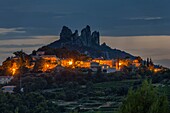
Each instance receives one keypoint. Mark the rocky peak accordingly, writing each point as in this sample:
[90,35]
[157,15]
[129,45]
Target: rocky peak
[104,45]
[95,38]
[86,38]
[66,34]
[75,35]
[86,31]
[86,35]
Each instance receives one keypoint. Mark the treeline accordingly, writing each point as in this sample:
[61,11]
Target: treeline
[33,102]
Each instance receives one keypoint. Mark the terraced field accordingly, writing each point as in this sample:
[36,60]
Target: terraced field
[105,97]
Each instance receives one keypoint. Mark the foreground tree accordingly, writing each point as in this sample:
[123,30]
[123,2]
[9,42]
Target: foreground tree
[145,100]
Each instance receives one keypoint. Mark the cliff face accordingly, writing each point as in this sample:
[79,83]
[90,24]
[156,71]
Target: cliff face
[86,38]
[66,34]
[86,42]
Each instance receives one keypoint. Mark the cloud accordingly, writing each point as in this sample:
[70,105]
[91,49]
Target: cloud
[25,36]
[20,46]
[146,18]
[4,31]
[45,37]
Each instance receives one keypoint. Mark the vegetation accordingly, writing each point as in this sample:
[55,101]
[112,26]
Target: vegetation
[29,103]
[145,99]
[68,92]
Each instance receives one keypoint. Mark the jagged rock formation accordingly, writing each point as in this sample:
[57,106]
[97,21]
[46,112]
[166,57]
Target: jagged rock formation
[95,38]
[66,34]
[87,41]
[86,38]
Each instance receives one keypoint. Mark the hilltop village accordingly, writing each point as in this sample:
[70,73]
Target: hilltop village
[78,53]
[46,63]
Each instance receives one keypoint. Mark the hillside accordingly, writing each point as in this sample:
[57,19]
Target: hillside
[87,42]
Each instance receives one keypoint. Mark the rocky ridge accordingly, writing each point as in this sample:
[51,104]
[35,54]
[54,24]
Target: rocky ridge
[85,39]
[87,42]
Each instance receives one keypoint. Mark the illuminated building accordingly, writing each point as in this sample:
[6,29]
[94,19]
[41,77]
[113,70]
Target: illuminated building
[67,63]
[136,63]
[51,61]
[94,66]
[157,68]
[107,69]
[104,62]
[120,63]
[50,58]
[48,62]
[70,63]
[14,68]
[82,64]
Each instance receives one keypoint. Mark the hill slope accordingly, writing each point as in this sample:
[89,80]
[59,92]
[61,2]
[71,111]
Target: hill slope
[88,43]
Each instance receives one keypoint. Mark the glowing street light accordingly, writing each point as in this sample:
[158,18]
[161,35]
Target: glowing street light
[13,71]
[47,66]
[70,62]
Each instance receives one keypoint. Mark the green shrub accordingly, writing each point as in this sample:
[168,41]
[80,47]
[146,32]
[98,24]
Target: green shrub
[145,100]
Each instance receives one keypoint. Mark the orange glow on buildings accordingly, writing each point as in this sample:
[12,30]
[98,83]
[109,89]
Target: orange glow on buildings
[120,63]
[82,64]
[13,71]
[14,68]
[157,70]
[50,58]
[51,61]
[48,66]
[104,62]
[136,63]
[70,62]
[67,63]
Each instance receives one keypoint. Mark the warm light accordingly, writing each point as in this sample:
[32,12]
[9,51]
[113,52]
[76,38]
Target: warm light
[70,62]
[14,68]
[120,64]
[47,65]
[155,70]
[13,71]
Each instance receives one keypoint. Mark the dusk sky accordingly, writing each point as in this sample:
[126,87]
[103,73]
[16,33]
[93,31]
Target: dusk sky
[22,20]
[110,17]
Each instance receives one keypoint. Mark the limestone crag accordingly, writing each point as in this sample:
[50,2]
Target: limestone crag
[87,43]
[95,38]
[86,38]
[66,34]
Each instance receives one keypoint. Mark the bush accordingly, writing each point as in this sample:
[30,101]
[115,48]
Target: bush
[145,100]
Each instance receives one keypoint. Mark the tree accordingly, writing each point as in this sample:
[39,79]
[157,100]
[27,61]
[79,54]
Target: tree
[145,99]
[39,65]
